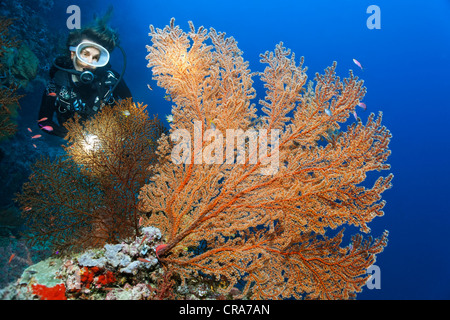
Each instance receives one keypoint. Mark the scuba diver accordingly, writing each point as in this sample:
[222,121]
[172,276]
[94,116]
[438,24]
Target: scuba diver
[82,81]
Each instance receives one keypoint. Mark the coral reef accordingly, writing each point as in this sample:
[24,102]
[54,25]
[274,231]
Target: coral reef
[125,271]
[9,100]
[19,155]
[265,218]
[89,197]
[8,112]
[19,66]
[127,217]
[15,257]
[27,48]
[30,27]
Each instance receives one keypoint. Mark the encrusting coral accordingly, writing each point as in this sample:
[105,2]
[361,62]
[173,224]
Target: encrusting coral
[263,218]
[128,270]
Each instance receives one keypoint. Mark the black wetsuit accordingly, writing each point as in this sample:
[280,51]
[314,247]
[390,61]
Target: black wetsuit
[63,97]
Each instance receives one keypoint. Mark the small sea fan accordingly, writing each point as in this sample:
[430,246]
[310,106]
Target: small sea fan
[89,197]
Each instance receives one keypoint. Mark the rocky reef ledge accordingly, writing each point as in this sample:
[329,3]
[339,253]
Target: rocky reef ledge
[126,271]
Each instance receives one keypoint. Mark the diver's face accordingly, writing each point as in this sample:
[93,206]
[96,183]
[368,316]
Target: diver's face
[89,55]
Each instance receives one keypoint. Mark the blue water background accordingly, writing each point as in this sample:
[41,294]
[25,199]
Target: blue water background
[406,72]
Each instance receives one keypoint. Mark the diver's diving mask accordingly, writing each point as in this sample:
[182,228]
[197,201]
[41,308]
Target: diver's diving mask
[102,60]
[87,76]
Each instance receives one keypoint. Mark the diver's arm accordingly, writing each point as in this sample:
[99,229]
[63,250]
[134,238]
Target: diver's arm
[47,110]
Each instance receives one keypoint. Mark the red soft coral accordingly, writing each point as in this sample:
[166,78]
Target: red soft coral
[105,279]
[86,276]
[57,292]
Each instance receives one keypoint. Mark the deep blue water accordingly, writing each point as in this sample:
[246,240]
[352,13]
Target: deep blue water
[406,72]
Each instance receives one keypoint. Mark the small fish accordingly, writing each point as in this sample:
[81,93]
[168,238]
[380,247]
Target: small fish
[30,130]
[143,260]
[43,119]
[143,239]
[12,257]
[159,248]
[27,209]
[34,145]
[167,97]
[47,128]
[126,113]
[141,221]
[362,105]
[52,94]
[328,112]
[149,87]
[169,118]
[358,63]
[355,115]
[36,136]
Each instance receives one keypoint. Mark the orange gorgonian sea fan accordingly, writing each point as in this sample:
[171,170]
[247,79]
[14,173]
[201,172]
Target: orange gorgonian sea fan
[262,212]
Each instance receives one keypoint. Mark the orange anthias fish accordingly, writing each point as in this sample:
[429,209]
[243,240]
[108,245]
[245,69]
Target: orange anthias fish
[30,130]
[43,119]
[159,248]
[12,257]
[48,128]
[143,239]
[358,63]
[36,136]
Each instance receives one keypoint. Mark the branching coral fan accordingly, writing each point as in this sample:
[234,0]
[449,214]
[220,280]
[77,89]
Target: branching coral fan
[263,221]
[89,198]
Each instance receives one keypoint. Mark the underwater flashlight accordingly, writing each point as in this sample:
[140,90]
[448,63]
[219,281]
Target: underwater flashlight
[91,143]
